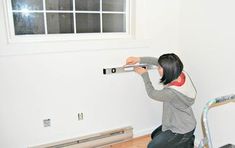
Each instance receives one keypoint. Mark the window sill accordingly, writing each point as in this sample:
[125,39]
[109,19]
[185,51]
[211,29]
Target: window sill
[67,37]
[66,46]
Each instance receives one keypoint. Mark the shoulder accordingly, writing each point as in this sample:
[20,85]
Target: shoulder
[188,89]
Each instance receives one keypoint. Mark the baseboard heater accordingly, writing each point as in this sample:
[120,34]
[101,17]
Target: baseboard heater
[101,139]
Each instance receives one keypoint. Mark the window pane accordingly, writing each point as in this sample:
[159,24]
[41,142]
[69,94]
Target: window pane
[88,23]
[59,4]
[114,5]
[30,23]
[27,4]
[114,23]
[88,5]
[60,23]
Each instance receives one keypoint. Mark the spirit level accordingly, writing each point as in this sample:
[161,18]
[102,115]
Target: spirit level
[126,68]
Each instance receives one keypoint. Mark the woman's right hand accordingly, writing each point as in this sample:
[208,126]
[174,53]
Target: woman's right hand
[132,60]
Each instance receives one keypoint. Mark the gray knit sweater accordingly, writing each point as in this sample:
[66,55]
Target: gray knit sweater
[177,113]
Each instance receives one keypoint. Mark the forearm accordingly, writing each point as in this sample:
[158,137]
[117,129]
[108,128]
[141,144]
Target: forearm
[148,84]
[149,60]
[159,95]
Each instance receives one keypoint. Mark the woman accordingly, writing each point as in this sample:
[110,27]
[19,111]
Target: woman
[177,95]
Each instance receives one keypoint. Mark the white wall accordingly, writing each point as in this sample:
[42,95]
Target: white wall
[38,83]
[207,36]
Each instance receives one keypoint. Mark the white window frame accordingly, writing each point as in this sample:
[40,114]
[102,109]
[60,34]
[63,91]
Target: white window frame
[12,38]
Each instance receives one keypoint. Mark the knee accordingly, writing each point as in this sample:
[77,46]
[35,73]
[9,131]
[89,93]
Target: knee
[150,145]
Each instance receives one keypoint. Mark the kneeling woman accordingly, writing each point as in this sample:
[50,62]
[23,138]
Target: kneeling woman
[178,95]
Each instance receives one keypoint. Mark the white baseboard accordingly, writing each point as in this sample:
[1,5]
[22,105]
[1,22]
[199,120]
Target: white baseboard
[143,132]
[100,139]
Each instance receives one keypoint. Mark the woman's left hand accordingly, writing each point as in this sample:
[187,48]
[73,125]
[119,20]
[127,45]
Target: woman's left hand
[140,70]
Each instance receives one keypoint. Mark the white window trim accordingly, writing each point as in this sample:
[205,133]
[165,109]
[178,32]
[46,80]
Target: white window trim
[12,38]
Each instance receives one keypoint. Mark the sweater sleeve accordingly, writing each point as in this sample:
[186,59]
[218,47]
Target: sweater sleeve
[164,95]
[149,60]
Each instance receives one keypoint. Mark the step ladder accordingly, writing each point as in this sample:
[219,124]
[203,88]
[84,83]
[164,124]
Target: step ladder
[206,141]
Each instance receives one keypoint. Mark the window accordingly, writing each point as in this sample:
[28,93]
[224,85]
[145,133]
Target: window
[68,17]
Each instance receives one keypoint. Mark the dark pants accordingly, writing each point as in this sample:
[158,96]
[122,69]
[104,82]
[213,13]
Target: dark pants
[168,139]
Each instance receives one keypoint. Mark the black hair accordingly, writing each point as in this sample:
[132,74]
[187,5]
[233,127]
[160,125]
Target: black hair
[172,67]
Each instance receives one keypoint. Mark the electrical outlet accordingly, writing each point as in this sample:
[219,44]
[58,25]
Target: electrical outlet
[80,116]
[47,122]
